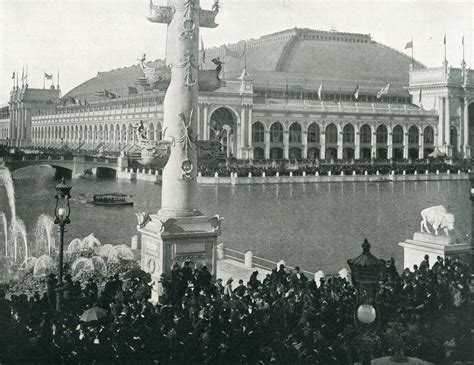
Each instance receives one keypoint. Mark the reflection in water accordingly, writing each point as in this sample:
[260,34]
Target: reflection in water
[316,226]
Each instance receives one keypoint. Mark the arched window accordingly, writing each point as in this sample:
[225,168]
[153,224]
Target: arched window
[295,133]
[151,131]
[258,132]
[397,137]
[365,134]
[276,153]
[348,134]
[428,135]
[413,135]
[313,133]
[331,133]
[382,135]
[276,132]
[258,153]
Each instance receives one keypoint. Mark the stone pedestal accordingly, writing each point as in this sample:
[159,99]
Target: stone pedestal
[427,244]
[166,241]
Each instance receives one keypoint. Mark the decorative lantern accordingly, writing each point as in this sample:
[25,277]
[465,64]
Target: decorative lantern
[366,314]
[366,272]
[62,209]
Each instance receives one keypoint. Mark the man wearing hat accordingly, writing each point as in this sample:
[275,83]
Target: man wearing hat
[228,292]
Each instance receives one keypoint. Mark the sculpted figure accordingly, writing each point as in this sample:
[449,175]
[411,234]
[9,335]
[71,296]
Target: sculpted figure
[437,217]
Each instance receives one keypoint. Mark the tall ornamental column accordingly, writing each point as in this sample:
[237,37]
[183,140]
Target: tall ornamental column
[180,233]
[180,110]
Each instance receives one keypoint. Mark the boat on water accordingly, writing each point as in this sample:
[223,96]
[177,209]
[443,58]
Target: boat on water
[110,199]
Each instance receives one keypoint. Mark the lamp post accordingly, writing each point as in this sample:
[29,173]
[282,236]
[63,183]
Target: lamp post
[61,218]
[366,272]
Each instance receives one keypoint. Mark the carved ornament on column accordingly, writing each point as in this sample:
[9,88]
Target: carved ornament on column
[187,140]
[189,64]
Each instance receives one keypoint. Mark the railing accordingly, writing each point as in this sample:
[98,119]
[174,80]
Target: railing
[259,262]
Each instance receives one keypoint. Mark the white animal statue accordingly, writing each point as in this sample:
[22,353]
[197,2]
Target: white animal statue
[437,217]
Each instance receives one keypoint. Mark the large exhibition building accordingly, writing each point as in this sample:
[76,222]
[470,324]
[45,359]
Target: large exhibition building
[295,94]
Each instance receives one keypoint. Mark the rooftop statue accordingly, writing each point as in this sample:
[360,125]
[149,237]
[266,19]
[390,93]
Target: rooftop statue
[151,74]
[437,217]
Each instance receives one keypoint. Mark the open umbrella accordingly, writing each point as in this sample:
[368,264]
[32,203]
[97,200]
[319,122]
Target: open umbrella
[136,273]
[393,360]
[93,314]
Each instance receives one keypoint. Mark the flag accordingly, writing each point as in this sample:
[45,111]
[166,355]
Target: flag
[203,52]
[13,76]
[320,91]
[409,45]
[383,91]
[99,94]
[462,41]
[48,77]
[233,54]
[287,94]
[444,40]
[420,97]
[356,92]
[132,90]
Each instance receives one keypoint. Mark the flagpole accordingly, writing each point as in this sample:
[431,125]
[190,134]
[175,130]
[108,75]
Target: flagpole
[245,55]
[43,80]
[445,60]
[412,59]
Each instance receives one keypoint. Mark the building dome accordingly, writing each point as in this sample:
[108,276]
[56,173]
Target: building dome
[303,59]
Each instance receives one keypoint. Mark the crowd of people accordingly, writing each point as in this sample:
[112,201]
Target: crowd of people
[282,318]
[271,168]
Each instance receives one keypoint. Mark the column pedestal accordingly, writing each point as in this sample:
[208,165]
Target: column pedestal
[166,241]
[427,244]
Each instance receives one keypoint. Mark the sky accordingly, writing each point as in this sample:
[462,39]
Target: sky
[81,37]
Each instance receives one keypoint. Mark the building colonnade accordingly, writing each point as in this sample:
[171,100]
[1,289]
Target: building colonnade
[110,133]
[336,140]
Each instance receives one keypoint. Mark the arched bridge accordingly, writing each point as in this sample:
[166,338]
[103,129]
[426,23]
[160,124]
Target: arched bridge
[77,165]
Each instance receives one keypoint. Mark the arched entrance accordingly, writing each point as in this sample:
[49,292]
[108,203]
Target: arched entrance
[222,127]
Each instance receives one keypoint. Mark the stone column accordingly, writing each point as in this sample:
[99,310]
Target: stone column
[373,144]
[205,122]
[356,143]
[250,127]
[286,144]
[421,147]
[180,232]
[322,151]
[340,143]
[441,115]
[465,121]
[390,144]
[243,130]
[199,122]
[180,110]
[405,144]
[305,144]
[447,124]
[267,144]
